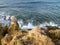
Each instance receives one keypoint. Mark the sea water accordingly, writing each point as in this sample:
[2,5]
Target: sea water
[30,13]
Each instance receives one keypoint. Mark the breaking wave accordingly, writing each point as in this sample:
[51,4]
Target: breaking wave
[5,20]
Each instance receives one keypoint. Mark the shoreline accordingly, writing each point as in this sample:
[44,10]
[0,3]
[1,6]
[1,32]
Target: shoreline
[14,35]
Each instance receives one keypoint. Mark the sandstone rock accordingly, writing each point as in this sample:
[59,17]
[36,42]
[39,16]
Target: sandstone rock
[6,39]
[36,30]
[3,31]
[40,38]
[55,33]
[36,38]
[14,25]
[0,39]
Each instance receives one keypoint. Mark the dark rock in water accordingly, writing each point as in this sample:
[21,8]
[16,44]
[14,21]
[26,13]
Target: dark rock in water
[51,27]
[29,29]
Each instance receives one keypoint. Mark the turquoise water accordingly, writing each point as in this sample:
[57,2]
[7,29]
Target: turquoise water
[35,12]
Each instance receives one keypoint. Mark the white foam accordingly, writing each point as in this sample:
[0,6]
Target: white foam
[4,19]
[7,17]
[28,26]
[21,23]
[48,24]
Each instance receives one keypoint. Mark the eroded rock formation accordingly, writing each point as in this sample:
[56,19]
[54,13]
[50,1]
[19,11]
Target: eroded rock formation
[13,35]
[33,37]
[14,25]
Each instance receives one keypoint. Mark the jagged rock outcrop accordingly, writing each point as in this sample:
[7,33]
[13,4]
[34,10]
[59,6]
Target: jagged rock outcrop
[55,33]
[40,36]
[55,36]
[32,37]
[51,27]
[14,25]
